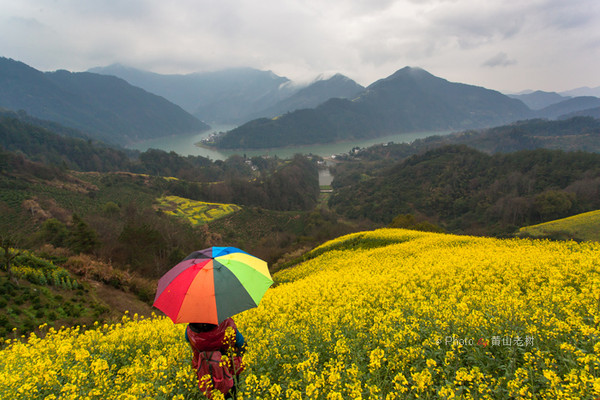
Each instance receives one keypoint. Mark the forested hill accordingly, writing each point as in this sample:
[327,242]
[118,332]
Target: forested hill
[271,183]
[282,184]
[46,146]
[576,133]
[408,101]
[338,86]
[465,190]
[105,107]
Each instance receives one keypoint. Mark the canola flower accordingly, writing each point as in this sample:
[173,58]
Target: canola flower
[388,314]
[136,359]
[583,226]
[431,316]
[196,212]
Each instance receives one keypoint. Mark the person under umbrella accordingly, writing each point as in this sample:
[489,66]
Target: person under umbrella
[209,344]
[205,290]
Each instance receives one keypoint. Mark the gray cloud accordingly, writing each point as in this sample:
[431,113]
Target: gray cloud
[499,60]
[555,41]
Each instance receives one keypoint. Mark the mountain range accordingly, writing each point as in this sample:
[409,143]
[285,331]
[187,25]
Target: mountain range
[235,95]
[104,107]
[410,100]
[121,105]
[539,99]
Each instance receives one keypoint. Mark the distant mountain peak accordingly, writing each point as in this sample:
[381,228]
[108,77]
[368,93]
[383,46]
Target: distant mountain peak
[410,100]
[406,73]
[539,99]
[582,91]
[411,70]
[340,77]
[111,68]
[328,77]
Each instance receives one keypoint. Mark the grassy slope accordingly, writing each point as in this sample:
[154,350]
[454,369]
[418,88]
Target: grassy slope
[41,292]
[384,314]
[579,227]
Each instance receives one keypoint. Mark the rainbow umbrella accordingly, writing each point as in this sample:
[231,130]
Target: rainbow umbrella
[212,285]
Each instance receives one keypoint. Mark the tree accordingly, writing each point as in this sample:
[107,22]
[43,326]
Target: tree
[143,246]
[82,238]
[553,203]
[54,232]
[408,221]
[9,254]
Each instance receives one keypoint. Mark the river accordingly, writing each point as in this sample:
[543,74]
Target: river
[185,145]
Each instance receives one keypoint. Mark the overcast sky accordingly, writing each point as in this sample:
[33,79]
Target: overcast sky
[507,45]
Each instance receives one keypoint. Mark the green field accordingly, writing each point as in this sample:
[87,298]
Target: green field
[579,227]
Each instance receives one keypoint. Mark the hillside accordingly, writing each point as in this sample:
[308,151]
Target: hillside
[580,227]
[129,220]
[227,96]
[54,144]
[539,99]
[104,107]
[382,314]
[410,100]
[338,86]
[573,134]
[570,106]
[590,112]
[41,290]
[582,91]
[464,190]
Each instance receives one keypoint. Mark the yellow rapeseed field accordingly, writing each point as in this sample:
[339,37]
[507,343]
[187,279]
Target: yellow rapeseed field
[195,212]
[585,226]
[388,314]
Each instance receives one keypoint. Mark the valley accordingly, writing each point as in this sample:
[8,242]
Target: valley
[454,258]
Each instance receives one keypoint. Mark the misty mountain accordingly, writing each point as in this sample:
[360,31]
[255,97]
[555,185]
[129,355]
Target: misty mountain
[590,112]
[568,107]
[573,134]
[50,126]
[228,96]
[582,91]
[539,99]
[410,100]
[338,86]
[104,107]
[48,143]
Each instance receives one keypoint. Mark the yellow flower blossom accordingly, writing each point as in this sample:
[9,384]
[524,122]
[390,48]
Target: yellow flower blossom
[387,314]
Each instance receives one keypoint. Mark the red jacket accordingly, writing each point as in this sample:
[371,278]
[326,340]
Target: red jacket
[211,341]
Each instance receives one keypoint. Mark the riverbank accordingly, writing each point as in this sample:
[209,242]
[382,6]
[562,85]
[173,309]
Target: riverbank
[188,145]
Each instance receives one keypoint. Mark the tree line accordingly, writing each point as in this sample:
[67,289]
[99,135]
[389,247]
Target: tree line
[465,190]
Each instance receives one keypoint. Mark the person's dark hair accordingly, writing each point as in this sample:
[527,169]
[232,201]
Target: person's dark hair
[202,327]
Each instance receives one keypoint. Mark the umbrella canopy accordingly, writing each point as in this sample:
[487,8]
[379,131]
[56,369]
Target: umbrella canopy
[212,285]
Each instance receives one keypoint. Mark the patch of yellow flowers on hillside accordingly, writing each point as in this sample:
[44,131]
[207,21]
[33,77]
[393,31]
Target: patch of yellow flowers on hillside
[195,212]
[395,315]
[584,226]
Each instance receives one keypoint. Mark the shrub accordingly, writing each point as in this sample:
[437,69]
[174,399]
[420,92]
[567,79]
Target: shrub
[143,289]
